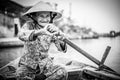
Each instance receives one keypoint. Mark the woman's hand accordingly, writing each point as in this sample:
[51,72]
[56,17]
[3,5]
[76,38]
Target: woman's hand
[51,28]
[43,31]
[56,33]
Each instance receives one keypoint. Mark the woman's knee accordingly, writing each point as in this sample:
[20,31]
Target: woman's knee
[62,72]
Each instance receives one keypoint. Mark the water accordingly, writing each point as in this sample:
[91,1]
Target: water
[95,47]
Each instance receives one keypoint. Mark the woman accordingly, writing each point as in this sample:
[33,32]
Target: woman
[38,37]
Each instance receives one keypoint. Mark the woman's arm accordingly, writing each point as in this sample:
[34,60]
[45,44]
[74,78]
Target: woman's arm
[25,33]
[57,37]
[28,33]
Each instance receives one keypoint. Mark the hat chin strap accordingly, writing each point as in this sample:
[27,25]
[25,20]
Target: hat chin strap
[35,21]
[52,16]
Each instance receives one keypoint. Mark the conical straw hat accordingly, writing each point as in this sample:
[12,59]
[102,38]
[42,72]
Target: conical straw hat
[43,7]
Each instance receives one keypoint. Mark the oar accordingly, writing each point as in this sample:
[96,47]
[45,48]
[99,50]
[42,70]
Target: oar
[89,56]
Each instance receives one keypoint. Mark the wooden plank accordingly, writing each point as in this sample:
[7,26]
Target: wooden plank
[102,74]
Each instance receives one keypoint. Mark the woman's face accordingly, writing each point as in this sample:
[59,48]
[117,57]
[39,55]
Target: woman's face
[43,18]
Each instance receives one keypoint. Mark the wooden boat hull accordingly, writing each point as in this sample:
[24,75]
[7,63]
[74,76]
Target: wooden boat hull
[76,71]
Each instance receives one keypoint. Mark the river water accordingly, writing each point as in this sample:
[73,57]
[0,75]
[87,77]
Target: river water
[95,47]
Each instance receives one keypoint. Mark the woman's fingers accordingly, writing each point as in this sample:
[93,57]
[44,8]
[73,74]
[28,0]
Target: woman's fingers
[51,28]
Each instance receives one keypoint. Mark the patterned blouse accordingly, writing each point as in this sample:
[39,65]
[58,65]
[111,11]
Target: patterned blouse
[36,48]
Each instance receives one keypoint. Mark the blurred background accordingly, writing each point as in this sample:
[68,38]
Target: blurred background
[90,24]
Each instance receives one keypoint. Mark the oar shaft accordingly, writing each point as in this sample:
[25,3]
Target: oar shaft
[82,51]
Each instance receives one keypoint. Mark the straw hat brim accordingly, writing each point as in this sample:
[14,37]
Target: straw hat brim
[43,7]
[58,16]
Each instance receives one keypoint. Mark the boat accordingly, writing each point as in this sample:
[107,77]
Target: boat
[76,70]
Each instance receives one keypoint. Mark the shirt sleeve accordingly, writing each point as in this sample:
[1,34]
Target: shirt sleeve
[25,33]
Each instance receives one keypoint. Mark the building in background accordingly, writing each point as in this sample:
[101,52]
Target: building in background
[9,18]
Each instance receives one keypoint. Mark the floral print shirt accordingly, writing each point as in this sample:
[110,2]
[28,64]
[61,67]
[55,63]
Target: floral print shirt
[36,48]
